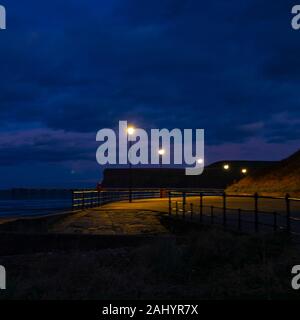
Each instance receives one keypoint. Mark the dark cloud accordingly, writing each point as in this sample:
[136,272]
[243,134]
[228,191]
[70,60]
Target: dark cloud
[80,66]
[43,145]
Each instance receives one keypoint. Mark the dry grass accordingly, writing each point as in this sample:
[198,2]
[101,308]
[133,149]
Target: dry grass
[278,180]
[209,265]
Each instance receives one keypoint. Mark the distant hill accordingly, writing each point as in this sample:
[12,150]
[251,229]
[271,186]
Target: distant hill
[214,176]
[283,177]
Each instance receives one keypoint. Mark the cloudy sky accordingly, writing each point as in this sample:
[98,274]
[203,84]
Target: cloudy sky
[70,68]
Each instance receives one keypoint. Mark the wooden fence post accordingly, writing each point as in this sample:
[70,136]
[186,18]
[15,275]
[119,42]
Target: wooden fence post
[224,210]
[192,210]
[212,214]
[288,213]
[256,211]
[176,209]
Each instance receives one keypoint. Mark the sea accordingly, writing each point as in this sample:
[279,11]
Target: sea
[17,203]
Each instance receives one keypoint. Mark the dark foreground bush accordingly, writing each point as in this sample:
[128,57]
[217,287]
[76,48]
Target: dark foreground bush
[211,264]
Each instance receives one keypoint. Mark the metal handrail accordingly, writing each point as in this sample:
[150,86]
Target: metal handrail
[257,213]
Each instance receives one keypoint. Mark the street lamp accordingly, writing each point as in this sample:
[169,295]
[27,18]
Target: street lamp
[161,152]
[130,132]
[200,161]
[244,171]
[226,167]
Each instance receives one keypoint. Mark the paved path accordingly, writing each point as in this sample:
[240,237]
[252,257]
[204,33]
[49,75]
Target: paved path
[143,216]
[113,220]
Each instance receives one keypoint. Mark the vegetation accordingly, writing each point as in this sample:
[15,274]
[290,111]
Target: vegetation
[282,178]
[210,264]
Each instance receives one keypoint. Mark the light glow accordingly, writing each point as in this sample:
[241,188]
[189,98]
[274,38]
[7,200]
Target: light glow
[226,167]
[161,152]
[130,130]
[200,161]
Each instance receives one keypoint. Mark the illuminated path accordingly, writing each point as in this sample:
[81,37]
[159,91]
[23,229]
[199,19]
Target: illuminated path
[143,216]
[138,218]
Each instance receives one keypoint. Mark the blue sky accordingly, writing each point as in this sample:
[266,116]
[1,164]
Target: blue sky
[70,68]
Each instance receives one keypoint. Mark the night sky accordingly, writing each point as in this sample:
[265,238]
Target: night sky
[70,68]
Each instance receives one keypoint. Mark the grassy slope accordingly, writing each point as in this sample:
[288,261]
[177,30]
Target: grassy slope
[281,178]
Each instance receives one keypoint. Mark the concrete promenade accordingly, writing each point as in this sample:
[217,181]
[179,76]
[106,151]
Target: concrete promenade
[143,216]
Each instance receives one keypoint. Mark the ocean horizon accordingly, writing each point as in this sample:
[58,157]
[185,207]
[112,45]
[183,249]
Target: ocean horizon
[34,205]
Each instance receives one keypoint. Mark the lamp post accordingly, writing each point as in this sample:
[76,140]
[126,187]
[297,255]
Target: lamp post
[130,132]
[161,152]
[226,167]
[200,161]
[244,171]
